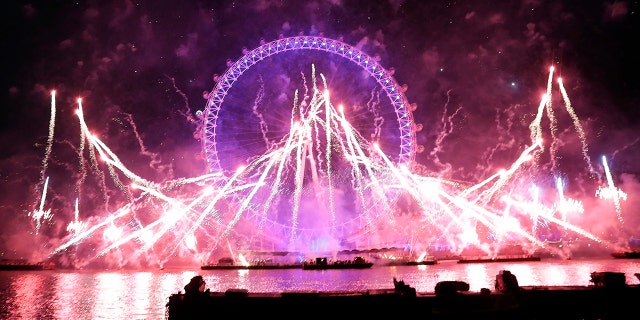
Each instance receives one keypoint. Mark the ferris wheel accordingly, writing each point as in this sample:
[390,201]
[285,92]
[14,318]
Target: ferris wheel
[305,114]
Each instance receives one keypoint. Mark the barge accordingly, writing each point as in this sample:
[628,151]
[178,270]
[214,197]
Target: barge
[321,263]
[626,254]
[499,258]
[228,263]
[250,266]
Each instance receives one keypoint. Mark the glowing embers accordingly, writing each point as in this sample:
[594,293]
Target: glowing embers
[328,169]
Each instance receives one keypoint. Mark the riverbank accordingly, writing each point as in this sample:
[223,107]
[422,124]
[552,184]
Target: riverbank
[608,297]
[144,293]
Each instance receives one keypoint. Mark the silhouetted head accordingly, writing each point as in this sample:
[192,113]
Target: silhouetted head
[197,283]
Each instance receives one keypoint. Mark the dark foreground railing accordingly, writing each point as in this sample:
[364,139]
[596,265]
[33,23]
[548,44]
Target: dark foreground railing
[608,298]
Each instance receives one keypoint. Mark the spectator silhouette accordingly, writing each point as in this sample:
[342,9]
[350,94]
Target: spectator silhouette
[195,298]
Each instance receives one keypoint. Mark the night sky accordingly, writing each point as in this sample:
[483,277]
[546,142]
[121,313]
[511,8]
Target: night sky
[142,67]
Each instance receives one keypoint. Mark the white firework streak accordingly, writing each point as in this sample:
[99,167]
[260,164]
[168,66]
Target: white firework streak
[52,125]
[612,187]
[553,123]
[576,123]
[436,199]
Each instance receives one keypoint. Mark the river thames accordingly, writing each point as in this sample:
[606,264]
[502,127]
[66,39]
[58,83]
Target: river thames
[143,294]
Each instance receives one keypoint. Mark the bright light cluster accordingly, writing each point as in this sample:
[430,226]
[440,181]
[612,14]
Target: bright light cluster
[341,191]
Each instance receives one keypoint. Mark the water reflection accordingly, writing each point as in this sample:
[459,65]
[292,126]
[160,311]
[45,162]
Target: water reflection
[525,274]
[476,271]
[111,295]
[26,291]
[70,298]
[143,295]
[141,292]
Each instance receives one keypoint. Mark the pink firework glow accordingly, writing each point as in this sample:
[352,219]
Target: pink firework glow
[328,180]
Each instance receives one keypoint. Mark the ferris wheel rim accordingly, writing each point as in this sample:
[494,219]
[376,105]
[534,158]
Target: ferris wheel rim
[225,82]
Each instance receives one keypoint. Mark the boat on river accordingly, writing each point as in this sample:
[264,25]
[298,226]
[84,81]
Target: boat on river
[321,263]
[499,258]
[266,266]
[229,264]
[626,254]
[421,262]
[405,262]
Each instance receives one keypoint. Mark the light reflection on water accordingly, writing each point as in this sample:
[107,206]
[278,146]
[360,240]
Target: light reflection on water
[69,294]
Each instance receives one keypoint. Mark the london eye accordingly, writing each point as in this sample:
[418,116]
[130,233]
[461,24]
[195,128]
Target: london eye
[303,133]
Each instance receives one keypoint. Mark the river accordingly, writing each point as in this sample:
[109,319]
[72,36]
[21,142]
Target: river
[143,294]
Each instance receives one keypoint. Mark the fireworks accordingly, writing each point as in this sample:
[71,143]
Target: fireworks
[612,192]
[322,187]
